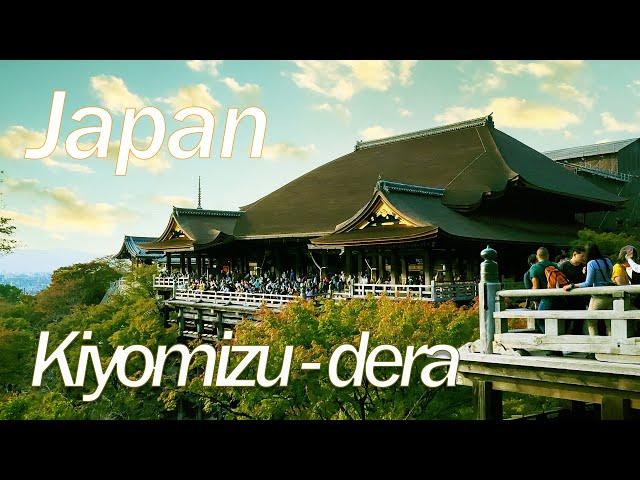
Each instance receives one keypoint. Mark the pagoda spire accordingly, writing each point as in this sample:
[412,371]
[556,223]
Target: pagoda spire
[199,195]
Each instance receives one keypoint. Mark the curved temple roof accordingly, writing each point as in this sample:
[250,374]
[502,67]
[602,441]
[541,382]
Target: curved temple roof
[425,216]
[131,248]
[467,160]
[194,229]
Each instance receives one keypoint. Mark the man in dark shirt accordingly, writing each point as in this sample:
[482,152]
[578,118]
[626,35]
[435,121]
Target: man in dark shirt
[539,281]
[527,278]
[574,270]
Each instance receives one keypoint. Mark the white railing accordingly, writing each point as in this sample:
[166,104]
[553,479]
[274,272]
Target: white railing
[170,282]
[437,292]
[243,299]
[619,343]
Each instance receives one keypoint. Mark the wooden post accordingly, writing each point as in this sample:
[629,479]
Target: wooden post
[426,267]
[324,258]
[180,322]
[298,263]
[360,263]
[620,329]
[404,270]
[615,408]
[198,265]
[219,326]
[182,263]
[189,269]
[199,323]
[168,263]
[487,289]
[394,267]
[488,402]
[347,261]
[381,270]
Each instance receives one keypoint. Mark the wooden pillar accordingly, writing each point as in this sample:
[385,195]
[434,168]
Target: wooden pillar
[448,269]
[324,262]
[615,408]
[381,271]
[404,270]
[488,402]
[182,265]
[347,261]
[426,266]
[298,263]
[219,326]
[394,267]
[168,263]
[360,263]
[211,264]
[189,269]
[198,265]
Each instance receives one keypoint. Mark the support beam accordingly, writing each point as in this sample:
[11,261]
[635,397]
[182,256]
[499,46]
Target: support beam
[169,263]
[360,263]
[488,402]
[298,263]
[182,263]
[189,267]
[198,265]
[381,271]
[614,408]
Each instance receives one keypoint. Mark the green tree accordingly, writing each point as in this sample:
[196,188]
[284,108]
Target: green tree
[7,229]
[9,293]
[315,334]
[610,243]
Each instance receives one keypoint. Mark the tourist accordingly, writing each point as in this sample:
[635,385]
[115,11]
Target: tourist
[539,281]
[527,277]
[574,270]
[599,272]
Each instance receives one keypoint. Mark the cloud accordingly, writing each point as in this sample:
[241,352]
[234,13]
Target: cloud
[114,94]
[405,113]
[338,108]
[611,124]
[566,91]
[174,201]
[210,66]
[156,164]
[568,135]
[604,140]
[69,167]
[635,87]
[483,83]
[343,79]
[192,96]
[548,68]
[515,113]
[405,71]
[375,132]
[17,138]
[277,151]
[62,210]
[246,90]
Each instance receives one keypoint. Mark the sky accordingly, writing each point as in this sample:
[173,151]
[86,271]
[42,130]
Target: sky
[316,111]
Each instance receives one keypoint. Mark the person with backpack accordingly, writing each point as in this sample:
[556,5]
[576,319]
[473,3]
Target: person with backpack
[599,271]
[545,274]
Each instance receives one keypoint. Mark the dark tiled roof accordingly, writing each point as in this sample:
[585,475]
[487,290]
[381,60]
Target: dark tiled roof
[431,217]
[466,161]
[131,248]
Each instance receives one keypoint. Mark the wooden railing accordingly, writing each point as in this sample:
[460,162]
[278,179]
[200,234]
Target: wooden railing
[436,292]
[614,347]
[243,299]
[170,282]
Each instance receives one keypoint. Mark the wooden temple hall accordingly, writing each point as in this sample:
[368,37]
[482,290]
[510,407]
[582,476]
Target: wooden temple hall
[406,209]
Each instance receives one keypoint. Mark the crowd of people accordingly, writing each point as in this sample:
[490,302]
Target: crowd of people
[582,267]
[287,283]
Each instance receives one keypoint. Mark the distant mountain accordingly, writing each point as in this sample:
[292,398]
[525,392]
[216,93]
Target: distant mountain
[46,261]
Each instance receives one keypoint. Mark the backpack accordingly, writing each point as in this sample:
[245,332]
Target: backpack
[555,277]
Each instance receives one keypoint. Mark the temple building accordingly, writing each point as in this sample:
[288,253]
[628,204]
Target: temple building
[408,208]
[132,250]
[613,166]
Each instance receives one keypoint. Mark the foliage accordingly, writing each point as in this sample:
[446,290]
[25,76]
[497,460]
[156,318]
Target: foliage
[7,230]
[315,335]
[610,243]
[9,293]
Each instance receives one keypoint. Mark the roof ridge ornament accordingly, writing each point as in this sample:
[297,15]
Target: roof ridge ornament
[475,122]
